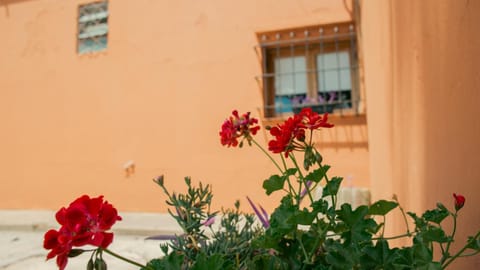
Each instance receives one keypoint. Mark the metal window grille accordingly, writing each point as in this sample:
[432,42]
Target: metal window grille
[315,66]
[92,27]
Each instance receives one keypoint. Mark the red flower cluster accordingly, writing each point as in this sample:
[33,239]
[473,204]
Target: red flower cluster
[285,134]
[313,120]
[459,201]
[238,126]
[84,222]
[294,128]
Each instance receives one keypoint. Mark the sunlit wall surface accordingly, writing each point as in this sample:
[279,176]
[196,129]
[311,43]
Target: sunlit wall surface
[150,102]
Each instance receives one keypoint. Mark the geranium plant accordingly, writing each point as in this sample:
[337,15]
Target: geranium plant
[303,232]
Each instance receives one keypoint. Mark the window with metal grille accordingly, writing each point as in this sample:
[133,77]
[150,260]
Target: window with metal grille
[92,27]
[315,66]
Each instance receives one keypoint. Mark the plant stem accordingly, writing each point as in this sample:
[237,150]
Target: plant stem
[384,224]
[304,251]
[470,254]
[291,190]
[334,201]
[459,253]
[393,237]
[268,155]
[403,214]
[284,162]
[441,244]
[302,180]
[322,235]
[125,259]
[445,254]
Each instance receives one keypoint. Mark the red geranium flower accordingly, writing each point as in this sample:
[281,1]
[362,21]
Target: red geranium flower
[285,134]
[294,129]
[60,243]
[84,222]
[459,201]
[313,120]
[236,127]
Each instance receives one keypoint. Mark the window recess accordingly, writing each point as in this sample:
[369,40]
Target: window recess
[314,66]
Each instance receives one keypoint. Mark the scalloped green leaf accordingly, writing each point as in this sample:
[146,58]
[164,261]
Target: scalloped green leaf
[331,188]
[274,183]
[318,174]
[436,215]
[382,207]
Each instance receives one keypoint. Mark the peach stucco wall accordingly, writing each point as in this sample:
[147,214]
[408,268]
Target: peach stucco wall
[422,85]
[173,71]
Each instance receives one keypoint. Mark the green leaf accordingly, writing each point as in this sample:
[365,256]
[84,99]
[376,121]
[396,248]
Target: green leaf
[382,207]
[404,259]
[290,172]
[422,254]
[473,243]
[281,218]
[352,217]
[442,207]
[331,188]
[266,261]
[317,174]
[420,223]
[320,206]
[430,266]
[340,257]
[304,217]
[214,262]
[436,215]
[172,261]
[434,234]
[359,228]
[274,183]
[379,257]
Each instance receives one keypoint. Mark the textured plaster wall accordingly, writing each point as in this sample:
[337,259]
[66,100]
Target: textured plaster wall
[423,100]
[173,71]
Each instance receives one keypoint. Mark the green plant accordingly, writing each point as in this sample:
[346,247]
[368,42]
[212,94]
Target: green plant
[303,232]
[201,246]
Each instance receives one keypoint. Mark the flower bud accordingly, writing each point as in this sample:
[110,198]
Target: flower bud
[100,264]
[209,221]
[159,180]
[75,252]
[90,265]
[459,201]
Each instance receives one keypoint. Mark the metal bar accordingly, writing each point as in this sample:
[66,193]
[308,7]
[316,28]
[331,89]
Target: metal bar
[341,36]
[339,79]
[355,91]
[265,82]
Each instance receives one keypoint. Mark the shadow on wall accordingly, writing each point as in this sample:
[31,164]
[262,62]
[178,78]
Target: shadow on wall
[350,132]
[6,3]
[9,2]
